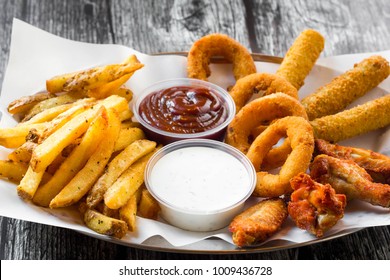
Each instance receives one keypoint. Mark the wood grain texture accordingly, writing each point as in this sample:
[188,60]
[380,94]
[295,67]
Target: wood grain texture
[159,26]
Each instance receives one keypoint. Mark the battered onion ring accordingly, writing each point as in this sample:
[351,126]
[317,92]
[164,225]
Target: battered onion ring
[259,112]
[265,83]
[300,133]
[218,45]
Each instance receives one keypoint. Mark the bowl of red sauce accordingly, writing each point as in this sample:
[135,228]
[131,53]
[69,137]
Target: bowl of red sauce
[184,108]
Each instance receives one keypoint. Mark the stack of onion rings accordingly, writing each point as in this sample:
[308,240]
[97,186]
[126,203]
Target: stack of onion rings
[218,45]
[300,133]
[265,83]
[260,112]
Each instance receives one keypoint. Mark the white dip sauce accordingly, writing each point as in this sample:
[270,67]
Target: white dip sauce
[200,179]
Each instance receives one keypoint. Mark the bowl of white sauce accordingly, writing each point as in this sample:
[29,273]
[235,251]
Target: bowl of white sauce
[200,184]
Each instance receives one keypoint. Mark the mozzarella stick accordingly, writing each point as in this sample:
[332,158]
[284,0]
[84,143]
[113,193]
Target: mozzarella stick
[301,57]
[344,89]
[372,115]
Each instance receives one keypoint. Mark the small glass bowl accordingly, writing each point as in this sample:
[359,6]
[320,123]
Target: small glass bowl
[165,137]
[200,184]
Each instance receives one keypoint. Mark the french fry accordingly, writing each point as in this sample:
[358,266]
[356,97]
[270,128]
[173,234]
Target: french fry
[128,212]
[128,136]
[48,150]
[148,206]
[47,115]
[110,88]
[25,103]
[13,137]
[29,184]
[91,78]
[63,118]
[105,225]
[23,153]
[125,93]
[14,171]
[126,115]
[75,161]
[127,184]
[52,102]
[116,167]
[86,177]
[130,123]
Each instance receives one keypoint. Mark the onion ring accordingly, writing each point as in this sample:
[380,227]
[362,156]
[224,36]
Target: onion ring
[218,45]
[300,134]
[259,112]
[260,82]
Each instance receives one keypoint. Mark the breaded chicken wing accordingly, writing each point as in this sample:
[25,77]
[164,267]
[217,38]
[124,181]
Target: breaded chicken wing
[377,165]
[258,222]
[347,177]
[314,206]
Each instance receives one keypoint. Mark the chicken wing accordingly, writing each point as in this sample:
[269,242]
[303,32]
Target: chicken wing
[377,165]
[347,177]
[314,206]
[258,222]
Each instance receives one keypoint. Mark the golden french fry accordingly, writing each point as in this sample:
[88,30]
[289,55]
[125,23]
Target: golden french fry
[86,177]
[128,136]
[125,93]
[110,88]
[23,153]
[75,161]
[127,184]
[13,171]
[25,103]
[13,137]
[12,142]
[130,123]
[104,225]
[47,151]
[47,115]
[128,212]
[79,107]
[148,206]
[52,102]
[116,167]
[126,115]
[91,78]
[29,184]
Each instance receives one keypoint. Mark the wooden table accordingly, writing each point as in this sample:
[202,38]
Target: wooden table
[264,26]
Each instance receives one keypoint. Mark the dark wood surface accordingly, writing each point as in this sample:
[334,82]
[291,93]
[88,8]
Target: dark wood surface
[265,26]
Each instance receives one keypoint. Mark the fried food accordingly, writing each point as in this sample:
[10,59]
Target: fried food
[128,135]
[92,78]
[25,103]
[75,161]
[261,111]
[341,91]
[13,171]
[301,57]
[127,184]
[30,183]
[377,165]
[148,206]
[372,115]
[14,137]
[116,167]
[49,149]
[128,211]
[258,222]
[348,178]
[262,83]
[313,206]
[218,45]
[105,225]
[83,181]
[301,139]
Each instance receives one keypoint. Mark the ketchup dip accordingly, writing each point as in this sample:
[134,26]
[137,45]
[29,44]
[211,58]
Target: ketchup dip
[200,184]
[184,108]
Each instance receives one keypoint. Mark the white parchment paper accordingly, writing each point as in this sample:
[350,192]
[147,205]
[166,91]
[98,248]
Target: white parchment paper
[36,55]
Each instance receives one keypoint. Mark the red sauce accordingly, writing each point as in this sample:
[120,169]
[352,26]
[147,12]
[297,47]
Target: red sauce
[184,109]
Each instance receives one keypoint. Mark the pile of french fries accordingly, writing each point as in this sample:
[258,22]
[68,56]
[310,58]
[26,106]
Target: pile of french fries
[76,145]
